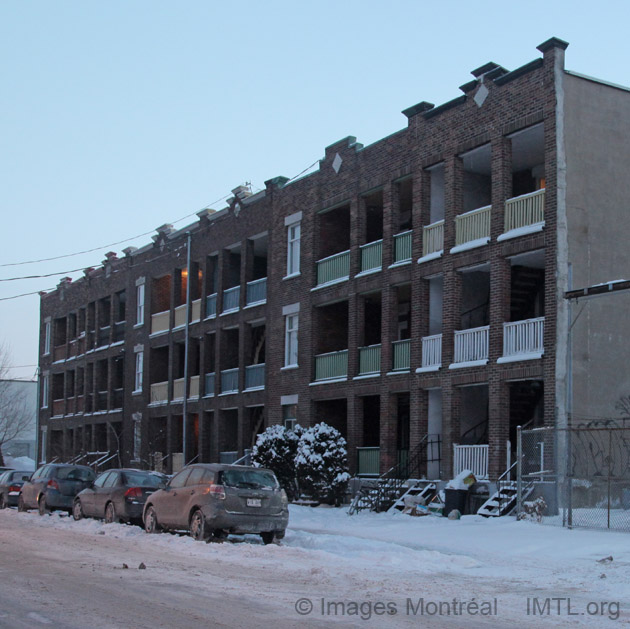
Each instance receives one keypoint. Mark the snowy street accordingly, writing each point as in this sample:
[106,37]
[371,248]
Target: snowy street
[370,569]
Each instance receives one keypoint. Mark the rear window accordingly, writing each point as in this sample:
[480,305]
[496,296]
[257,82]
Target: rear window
[250,479]
[4,477]
[143,479]
[75,473]
[17,476]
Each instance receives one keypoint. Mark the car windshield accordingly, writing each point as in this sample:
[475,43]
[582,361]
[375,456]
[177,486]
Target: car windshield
[144,479]
[75,473]
[252,479]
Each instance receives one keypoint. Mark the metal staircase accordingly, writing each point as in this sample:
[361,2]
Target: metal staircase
[504,499]
[421,491]
[381,493]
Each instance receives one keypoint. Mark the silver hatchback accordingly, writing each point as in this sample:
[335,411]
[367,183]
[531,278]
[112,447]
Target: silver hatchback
[213,500]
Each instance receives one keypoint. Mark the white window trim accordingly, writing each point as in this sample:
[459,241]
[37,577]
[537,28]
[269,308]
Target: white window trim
[140,298]
[44,391]
[138,372]
[47,328]
[293,244]
[291,332]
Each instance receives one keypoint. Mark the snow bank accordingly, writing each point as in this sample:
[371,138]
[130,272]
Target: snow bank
[20,463]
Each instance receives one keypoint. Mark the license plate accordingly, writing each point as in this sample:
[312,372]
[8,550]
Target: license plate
[254,502]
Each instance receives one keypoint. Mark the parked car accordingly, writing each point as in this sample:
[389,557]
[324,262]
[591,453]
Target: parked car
[213,500]
[11,483]
[54,486]
[118,495]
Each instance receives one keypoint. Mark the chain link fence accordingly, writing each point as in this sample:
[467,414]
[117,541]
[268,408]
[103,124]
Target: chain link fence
[576,477]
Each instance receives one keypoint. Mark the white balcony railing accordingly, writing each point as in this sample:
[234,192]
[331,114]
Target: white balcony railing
[433,238]
[257,291]
[194,387]
[523,338]
[179,389]
[525,210]
[231,298]
[195,310]
[473,225]
[432,351]
[473,458]
[159,392]
[180,316]
[160,322]
[472,345]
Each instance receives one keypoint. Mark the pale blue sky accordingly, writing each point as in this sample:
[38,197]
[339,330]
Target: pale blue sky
[118,117]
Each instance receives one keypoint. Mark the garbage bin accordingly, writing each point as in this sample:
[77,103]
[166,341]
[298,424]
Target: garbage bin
[454,499]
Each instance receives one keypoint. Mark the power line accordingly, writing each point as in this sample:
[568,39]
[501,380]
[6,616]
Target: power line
[36,277]
[35,292]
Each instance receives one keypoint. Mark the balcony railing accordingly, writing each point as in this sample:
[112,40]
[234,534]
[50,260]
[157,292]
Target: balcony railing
[331,365]
[525,210]
[369,359]
[402,355]
[160,322]
[179,389]
[473,458]
[159,392]
[229,380]
[209,388]
[180,316]
[472,345]
[432,351]
[473,225]
[59,407]
[255,376]
[211,305]
[372,256]
[195,310]
[194,387]
[333,268]
[522,338]
[60,352]
[402,247]
[433,238]
[231,298]
[368,461]
[257,291]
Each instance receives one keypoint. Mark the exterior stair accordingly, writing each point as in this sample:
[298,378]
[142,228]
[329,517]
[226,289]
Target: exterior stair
[420,490]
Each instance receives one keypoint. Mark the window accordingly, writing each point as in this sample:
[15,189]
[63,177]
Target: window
[291,341]
[140,304]
[293,249]
[44,391]
[179,480]
[137,439]
[289,416]
[47,338]
[139,364]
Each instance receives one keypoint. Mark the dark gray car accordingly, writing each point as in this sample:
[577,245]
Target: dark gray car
[214,500]
[11,483]
[54,486]
[118,495]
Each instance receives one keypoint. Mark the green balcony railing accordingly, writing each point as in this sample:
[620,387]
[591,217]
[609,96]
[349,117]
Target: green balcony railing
[369,360]
[209,388]
[333,268]
[372,256]
[368,461]
[211,305]
[331,365]
[402,247]
[402,355]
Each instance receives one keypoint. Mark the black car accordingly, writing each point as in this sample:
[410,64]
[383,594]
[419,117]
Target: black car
[11,482]
[118,495]
[54,486]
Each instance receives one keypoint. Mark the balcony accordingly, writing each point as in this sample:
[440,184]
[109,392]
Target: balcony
[160,322]
[195,310]
[231,299]
[432,240]
[159,393]
[179,389]
[117,398]
[180,316]
[209,384]
[402,247]
[523,340]
[331,366]
[257,292]
[194,387]
[372,256]
[59,407]
[431,352]
[60,352]
[472,229]
[368,461]
[471,347]
[334,268]
[101,401]
[524,214]
[473,458]
[401,355]
[255,377]
[370,360]
[119,331]
[211,306]
[229,380]
[103,336]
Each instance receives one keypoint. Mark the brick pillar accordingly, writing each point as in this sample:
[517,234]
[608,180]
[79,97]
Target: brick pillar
[247,268]
[357,234]
[390,211]
[244,344]
[388,297]
[355,332]
[354,430]
[388,427]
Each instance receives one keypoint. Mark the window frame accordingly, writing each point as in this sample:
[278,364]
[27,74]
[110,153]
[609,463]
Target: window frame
[140,297]
[291,339]
[294,248]
[138,372]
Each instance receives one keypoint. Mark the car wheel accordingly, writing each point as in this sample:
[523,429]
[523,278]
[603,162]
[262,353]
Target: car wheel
[198,529]
[3,502]
[110,513]
[42,506]
[267,537]
[77,510]
[280,534]
[21,505]
[150,521]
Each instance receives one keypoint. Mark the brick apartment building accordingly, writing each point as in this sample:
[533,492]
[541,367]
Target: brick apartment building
[408,288]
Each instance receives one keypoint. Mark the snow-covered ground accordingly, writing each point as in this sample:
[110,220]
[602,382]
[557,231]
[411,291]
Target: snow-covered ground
[387,570]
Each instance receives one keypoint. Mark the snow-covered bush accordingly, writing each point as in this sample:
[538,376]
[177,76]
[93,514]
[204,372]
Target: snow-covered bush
[276,449]
[322,464]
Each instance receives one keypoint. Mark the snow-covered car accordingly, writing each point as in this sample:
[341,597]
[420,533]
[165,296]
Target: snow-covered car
[118,495]
[54,486]
[11,483]
[213,500]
